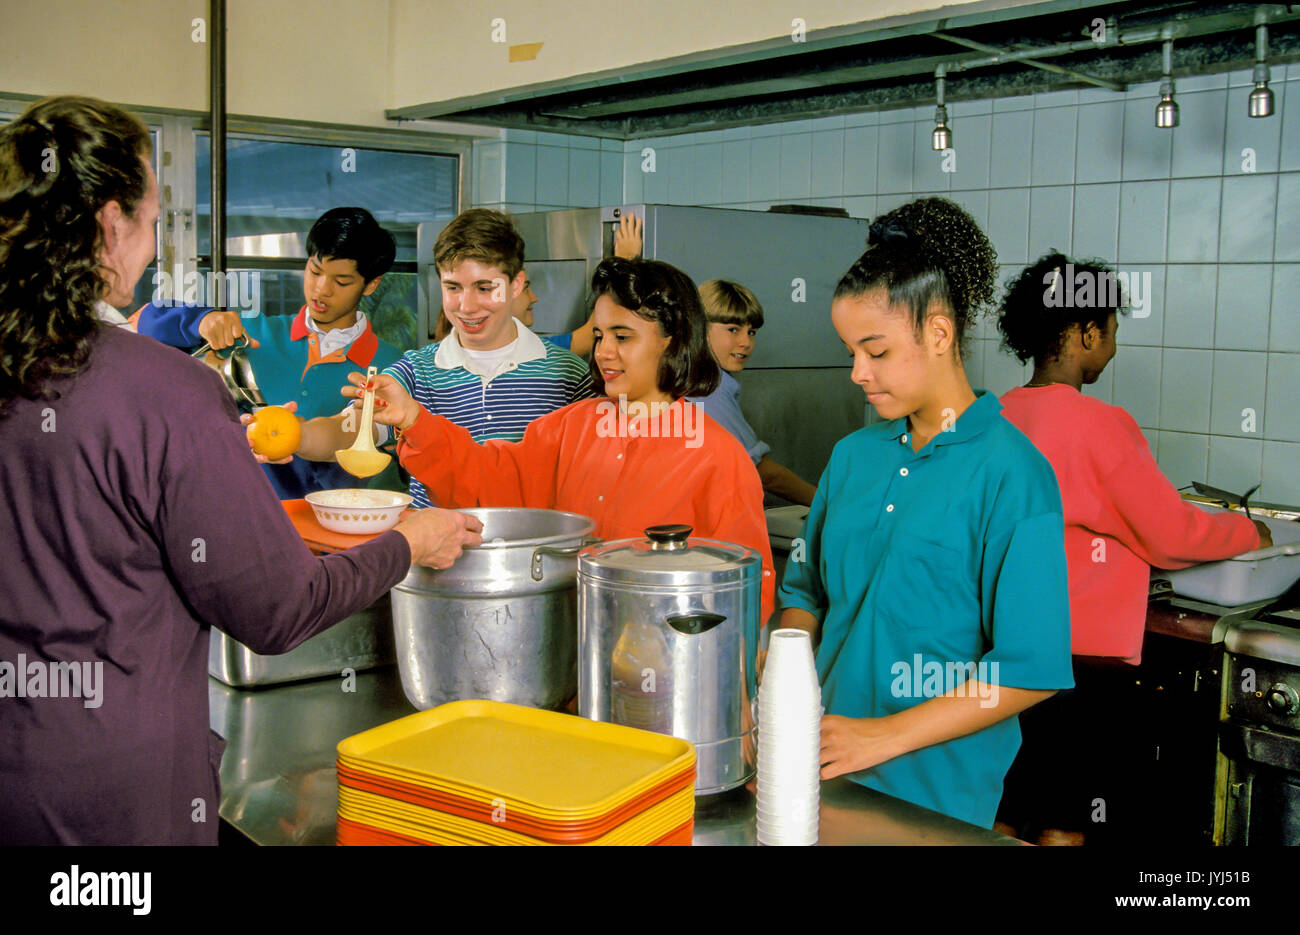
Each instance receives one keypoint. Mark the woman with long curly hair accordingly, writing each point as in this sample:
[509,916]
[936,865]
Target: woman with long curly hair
[55,198]
[935,570]
[134,516]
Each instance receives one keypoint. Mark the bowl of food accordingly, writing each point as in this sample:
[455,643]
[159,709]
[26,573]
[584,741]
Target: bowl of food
[358,511]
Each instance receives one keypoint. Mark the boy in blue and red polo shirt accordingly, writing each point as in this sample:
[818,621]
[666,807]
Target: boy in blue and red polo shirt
[490,375]
[306,357]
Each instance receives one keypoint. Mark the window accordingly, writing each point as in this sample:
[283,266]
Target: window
[276,190]
[276,187]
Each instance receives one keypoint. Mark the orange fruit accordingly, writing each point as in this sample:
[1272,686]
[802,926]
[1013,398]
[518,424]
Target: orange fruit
[274,432]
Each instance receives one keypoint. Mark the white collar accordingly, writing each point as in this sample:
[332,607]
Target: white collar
[109,315]
[450,355]
[351,332]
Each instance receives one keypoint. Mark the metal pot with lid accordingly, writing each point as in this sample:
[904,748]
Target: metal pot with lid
[668,631]
[501,623]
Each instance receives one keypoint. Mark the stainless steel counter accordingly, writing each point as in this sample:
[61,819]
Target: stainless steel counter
[279,785]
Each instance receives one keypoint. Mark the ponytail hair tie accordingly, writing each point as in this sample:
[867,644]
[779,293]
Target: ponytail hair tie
[888,230]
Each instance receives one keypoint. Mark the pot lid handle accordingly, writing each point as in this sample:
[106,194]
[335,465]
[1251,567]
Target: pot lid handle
[694,624]
[241,342]
[668,538]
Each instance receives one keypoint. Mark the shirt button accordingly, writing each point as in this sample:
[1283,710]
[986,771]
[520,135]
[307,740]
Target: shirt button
[890,508]
[902,471]
[488,417]
[601,497]
[620,454]
[903,440]
[304,392]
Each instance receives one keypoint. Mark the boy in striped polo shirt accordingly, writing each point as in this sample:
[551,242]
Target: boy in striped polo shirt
[490,375]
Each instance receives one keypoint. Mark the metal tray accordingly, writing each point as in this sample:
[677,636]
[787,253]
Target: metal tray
[1246,578]
[362,641]
[784,524]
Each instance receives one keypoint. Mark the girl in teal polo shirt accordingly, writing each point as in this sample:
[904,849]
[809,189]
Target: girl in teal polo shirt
[933,561]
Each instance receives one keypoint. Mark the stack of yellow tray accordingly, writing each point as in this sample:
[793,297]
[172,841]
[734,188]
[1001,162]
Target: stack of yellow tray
[482,772]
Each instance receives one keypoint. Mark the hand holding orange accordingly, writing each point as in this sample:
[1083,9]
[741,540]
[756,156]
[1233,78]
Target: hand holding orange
[274,432]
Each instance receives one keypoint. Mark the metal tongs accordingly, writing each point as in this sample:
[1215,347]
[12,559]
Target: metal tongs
[1226,498]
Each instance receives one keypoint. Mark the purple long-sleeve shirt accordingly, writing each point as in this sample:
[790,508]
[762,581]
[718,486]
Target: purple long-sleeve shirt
[134,519]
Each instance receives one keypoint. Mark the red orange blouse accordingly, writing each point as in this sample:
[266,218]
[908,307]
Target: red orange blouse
[677,467]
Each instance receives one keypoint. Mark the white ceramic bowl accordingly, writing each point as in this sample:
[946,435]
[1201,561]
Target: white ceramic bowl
[357,511]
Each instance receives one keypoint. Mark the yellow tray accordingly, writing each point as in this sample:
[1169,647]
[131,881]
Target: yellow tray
[674,810]
[491,800]
[545,763]
[644,830]
[419,822]
[558,822]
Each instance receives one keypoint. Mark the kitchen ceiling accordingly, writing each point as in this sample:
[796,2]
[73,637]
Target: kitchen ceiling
[1055,46]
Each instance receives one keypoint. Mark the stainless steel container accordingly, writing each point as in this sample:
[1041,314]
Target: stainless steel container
[362,641]
[668,628]
[501,623]
[236,372]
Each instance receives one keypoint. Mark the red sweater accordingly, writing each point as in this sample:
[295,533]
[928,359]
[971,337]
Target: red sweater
[1122,515]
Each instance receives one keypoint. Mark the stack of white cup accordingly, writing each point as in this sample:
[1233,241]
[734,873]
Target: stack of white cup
[789,742]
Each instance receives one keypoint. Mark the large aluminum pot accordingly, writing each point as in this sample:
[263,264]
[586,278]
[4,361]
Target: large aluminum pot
[362,641]
[668,630]
[501,623]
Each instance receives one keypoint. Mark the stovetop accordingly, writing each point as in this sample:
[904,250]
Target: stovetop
[1289,617]
[1262,667]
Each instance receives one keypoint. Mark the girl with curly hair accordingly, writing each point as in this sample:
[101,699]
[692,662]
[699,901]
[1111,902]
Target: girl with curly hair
[1122,516]
[935,572]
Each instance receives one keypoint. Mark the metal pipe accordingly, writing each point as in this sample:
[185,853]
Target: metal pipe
[1045,66]
[1002,58]
[1167,109]
[217,114]
[1260,103]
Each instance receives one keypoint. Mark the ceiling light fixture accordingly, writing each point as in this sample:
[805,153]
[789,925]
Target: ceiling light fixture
[942,138]
[1167,109]
[1261,99]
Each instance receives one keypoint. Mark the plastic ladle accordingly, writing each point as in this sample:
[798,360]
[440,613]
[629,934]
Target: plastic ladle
[363,459]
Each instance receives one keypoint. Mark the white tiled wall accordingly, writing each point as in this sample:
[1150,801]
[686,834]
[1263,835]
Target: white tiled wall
[533,171]
[1212,374]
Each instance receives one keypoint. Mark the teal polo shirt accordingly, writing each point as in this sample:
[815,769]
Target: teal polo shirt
[288,366]
[928,567]
[288,363]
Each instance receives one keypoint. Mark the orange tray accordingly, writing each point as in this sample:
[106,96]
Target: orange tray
[439,827]
[355,834]
[317,537]
[563,832]
[553,767]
